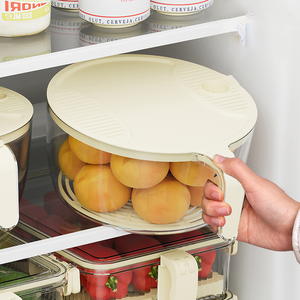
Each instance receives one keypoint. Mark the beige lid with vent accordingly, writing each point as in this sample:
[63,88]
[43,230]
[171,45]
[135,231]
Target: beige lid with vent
[151,107]
[15,114]
[156,108]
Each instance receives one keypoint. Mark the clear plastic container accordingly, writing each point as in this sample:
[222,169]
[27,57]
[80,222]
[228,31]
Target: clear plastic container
[36,278]
[21,18]
[193,264]
[146,267]
[16,113]
[124,156]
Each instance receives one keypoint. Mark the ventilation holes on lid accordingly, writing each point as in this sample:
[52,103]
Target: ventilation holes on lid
[89,115]
[2,96]
[14,104]
[213,88]
[233,100]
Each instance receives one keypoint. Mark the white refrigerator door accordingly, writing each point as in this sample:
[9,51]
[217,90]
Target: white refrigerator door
[274,66]
[267,64]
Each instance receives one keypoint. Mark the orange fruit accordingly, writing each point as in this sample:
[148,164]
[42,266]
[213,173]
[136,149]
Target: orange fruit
[138,173]
[87,153]
[97,189]
[192,173]
[69,163]
[163,203]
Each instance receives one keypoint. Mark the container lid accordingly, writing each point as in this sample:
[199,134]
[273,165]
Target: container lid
[151,107]
[15,113]
[136,250]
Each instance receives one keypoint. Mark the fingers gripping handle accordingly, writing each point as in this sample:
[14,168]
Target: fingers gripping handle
[233,195]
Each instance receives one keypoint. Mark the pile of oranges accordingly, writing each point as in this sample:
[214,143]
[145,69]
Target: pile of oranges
[161,192]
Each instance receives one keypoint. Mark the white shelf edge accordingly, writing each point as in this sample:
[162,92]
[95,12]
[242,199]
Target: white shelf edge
[58,243]
[146,41]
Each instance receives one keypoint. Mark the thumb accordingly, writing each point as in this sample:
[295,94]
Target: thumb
[236,168]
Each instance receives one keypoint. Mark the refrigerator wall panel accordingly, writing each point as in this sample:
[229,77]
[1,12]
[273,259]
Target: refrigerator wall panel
[266,64]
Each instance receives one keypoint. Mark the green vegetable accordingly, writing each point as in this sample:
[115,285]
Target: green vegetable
[7,274]
[199,261]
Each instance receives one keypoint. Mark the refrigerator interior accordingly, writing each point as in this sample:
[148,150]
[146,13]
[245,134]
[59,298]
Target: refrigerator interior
[266,64]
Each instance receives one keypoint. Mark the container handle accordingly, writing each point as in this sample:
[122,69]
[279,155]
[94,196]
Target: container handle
[73,278]
[233,194]
[9,188]
[177,276]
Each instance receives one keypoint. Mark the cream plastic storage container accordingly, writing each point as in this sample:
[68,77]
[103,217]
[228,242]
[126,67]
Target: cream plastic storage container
[146,267]
[139,267]
[20,18]
[139,135]
[16,113]
[36,278]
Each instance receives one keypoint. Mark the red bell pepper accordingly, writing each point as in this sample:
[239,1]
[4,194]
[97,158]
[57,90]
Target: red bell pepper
[103,286]
[205,261]
[58,224]
[144,277]
[98,292]
[32,211]
[55,206]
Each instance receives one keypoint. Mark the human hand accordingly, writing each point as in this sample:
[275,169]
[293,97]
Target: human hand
[268,213]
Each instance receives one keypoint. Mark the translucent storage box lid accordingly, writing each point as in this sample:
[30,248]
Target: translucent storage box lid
[148,109]
[40,277]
